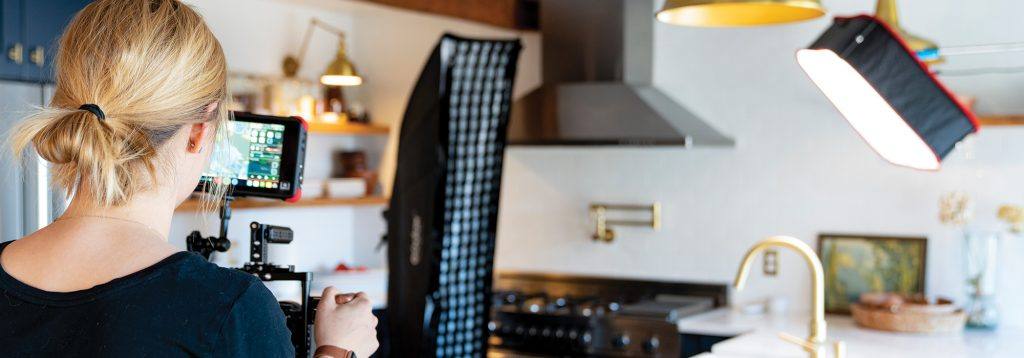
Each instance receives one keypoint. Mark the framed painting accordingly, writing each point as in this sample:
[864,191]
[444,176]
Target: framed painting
[856,264]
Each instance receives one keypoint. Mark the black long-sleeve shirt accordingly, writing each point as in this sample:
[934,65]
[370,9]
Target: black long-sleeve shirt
[180,306]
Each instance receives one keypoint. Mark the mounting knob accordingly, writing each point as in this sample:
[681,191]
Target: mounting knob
[586,339]
[620,341]
[195,242]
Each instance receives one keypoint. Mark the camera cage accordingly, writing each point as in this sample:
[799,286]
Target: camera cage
[299,315]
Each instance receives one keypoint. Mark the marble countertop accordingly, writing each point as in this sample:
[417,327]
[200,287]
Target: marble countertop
[757,336]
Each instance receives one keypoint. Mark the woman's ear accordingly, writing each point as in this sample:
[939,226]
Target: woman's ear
[199,132]
[197,137]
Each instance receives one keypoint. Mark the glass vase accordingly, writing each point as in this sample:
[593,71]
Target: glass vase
[981,249]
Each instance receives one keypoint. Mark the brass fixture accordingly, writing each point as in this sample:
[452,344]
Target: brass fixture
[815,342]
[37,56]
[16,53]
[734,13]
[925,49]
[341,71]
[603,231]
[1013,215]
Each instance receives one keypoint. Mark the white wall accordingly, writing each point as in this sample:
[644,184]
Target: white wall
[389,47]
[798,168]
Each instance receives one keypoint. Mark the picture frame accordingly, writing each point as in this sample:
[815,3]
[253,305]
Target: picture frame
[854,264]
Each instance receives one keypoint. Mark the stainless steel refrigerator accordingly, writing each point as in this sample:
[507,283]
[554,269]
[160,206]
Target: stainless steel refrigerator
[27,200]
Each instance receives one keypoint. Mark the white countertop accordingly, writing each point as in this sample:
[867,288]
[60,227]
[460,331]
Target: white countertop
[757,336]
[373,282]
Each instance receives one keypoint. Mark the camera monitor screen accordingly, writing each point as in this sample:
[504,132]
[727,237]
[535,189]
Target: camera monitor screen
[259,156]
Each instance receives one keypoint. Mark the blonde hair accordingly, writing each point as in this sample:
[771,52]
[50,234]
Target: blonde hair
[152,66]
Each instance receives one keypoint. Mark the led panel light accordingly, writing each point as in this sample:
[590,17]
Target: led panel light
[889,97]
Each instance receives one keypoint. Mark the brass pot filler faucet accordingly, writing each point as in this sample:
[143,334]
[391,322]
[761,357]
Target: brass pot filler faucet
[602,225]
[815,342]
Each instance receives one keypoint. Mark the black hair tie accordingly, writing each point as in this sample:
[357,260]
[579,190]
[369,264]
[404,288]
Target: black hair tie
[94,109]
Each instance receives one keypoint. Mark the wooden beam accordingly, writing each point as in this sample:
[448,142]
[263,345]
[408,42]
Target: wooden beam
[1002,120]
[512,14]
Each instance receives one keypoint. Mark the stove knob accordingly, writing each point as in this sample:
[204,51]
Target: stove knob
[586,339]
[652,345]
[621,341]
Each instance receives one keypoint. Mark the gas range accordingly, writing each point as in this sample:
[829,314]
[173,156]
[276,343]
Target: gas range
[541,315]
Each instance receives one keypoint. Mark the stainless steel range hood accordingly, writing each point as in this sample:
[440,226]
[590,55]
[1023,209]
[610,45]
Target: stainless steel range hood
[597,90]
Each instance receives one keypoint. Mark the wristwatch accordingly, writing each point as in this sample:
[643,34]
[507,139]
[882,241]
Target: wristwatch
[326,351]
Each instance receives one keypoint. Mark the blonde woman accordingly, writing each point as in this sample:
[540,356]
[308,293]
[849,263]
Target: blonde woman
[139,85]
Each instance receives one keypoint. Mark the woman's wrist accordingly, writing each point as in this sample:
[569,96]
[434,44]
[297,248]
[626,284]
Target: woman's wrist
[329,351]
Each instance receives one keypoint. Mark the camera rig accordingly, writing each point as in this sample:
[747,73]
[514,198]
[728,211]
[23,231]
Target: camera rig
[298,315]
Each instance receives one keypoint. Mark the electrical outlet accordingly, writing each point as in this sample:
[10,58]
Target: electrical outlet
[771,263]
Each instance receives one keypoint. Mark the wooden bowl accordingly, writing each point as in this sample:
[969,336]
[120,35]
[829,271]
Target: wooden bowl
[942,307]
[909,321]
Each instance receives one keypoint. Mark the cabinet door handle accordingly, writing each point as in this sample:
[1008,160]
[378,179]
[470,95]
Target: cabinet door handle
[16,53]
[37,56]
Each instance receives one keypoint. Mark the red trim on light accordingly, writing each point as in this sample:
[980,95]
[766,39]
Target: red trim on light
[305,125]
[296,197]
[924,67]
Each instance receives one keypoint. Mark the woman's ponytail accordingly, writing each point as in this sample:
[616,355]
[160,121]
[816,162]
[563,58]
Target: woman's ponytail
[105,153]
[129,74]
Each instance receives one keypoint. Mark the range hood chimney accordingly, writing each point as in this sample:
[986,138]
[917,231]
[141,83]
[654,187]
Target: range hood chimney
[597,82]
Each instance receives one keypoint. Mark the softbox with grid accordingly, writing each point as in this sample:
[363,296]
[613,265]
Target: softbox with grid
[443,213]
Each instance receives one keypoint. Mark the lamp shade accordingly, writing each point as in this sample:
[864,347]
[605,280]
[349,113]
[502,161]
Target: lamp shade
[886,93]
[731,13]
[341,72]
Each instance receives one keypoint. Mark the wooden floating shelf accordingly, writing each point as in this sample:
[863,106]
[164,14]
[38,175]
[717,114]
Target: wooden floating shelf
[1002,120]
[512,14]
[194,204]
[347,129]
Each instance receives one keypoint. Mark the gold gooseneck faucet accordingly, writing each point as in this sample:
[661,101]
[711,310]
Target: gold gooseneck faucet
[816,338]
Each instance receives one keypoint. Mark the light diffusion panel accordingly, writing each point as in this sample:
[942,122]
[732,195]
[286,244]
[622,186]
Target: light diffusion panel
[481,88]
[444,206]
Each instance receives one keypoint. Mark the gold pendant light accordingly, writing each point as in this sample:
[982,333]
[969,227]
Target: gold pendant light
[735,13]
[925,49]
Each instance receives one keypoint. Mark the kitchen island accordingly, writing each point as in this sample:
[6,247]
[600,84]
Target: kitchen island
[757,336]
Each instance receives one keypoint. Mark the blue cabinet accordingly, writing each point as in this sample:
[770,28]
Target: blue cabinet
[30,31]
[10,35]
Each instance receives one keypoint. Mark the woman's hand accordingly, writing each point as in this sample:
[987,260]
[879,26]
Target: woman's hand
[346,321]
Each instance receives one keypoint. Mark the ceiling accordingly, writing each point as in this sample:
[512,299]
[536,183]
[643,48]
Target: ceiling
[995,81]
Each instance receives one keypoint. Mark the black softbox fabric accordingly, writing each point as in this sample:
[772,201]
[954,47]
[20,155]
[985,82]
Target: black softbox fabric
[444,206]
[878,53]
